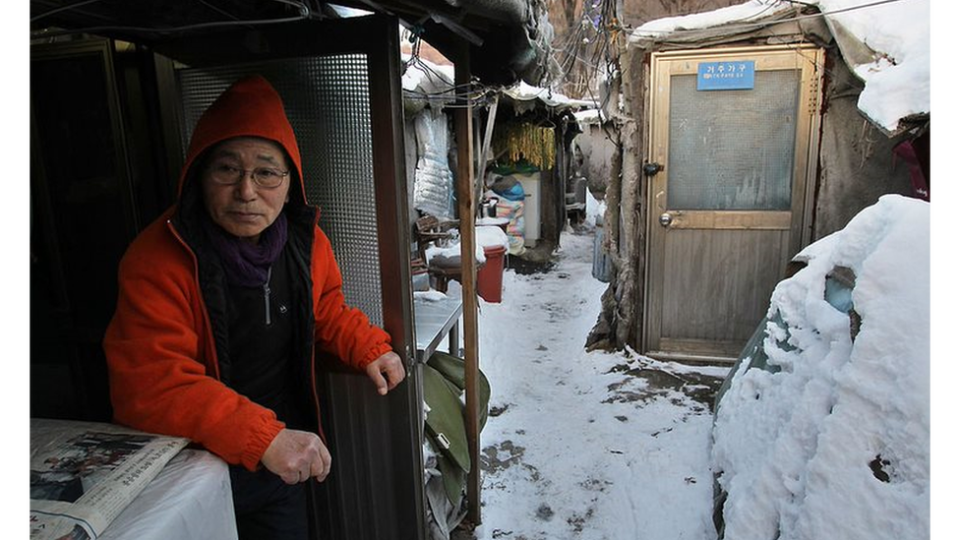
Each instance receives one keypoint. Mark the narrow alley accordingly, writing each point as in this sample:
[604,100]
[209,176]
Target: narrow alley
[586,444]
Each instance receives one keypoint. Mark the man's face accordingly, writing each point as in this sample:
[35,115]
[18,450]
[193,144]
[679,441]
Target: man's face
[231,195]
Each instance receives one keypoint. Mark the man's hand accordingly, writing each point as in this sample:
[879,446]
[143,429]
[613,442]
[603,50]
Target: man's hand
[295,456]
[389,365]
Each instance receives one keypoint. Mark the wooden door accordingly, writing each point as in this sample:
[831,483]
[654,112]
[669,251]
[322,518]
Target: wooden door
[733,131]
[82,216]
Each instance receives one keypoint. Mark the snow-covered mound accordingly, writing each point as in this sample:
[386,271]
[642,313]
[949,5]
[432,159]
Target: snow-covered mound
[831,439]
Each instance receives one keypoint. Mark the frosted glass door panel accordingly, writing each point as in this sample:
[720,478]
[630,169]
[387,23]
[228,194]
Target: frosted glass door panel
[732,149]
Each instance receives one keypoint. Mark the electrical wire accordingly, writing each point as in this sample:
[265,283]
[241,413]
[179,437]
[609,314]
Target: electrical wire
[63,8]
[173,29]
[305,13]
[471,94]
[607,30]
[218,10]
[453,96]
[573,58]
[463,95]
[302,6]
[576,69]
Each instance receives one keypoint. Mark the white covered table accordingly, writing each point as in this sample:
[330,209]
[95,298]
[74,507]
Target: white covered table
[189,500]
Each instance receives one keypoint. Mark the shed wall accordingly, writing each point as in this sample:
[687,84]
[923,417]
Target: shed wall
[857,164]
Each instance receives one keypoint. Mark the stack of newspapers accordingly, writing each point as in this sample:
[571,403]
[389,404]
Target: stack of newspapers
[83,474]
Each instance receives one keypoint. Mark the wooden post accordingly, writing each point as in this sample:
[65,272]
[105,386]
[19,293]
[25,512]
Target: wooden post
[466,206]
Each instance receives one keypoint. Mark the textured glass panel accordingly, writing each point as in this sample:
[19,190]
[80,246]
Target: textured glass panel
[327,101]
[733,149]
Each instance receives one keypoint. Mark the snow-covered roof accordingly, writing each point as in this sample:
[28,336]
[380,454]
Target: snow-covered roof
[423,75]
[526,97]
[752,11]
[588,116]
[886,43]
[424,83]
[435,83]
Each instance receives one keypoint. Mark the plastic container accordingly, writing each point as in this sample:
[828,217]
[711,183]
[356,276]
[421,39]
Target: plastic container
[490,275]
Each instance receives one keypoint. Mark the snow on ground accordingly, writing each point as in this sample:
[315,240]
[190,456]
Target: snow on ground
[837,442]
[597,445]
[586,444]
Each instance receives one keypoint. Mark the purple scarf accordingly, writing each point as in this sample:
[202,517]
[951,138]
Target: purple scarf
[247,264]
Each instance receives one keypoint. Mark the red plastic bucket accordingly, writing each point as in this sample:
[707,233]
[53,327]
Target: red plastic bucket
[490,276]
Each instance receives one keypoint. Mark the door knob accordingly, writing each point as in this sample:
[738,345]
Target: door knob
[666,219]
[650,169]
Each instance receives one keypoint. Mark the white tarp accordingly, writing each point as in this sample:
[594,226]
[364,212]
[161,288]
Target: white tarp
[433,179]
[190,499]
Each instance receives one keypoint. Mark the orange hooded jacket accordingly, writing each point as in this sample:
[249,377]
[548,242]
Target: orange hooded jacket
[162,343]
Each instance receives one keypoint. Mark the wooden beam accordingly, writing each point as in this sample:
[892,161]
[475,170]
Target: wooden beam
[485,148]
[466,207]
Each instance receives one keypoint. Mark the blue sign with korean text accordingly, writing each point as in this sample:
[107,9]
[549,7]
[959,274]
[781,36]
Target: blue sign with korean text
[733,75]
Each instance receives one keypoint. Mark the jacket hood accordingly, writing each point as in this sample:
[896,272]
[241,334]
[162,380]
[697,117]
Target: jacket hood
[251,107]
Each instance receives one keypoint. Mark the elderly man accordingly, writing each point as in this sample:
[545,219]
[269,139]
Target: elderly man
[222,303]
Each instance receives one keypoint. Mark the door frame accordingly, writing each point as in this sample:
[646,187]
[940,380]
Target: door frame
[376,489]
[809,59]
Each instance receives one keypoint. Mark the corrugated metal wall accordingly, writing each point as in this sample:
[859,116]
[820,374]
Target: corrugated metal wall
[327,102]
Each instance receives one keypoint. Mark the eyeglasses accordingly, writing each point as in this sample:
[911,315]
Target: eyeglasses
[224,174]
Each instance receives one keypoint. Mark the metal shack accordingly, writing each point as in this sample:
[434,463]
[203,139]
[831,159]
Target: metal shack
[116,87]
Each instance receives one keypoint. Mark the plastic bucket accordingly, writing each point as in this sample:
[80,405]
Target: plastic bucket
[490,276]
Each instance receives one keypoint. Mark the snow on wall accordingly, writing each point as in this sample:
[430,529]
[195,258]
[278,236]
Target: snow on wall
[897,76]
[753,10]
[837,443]
[887,45]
